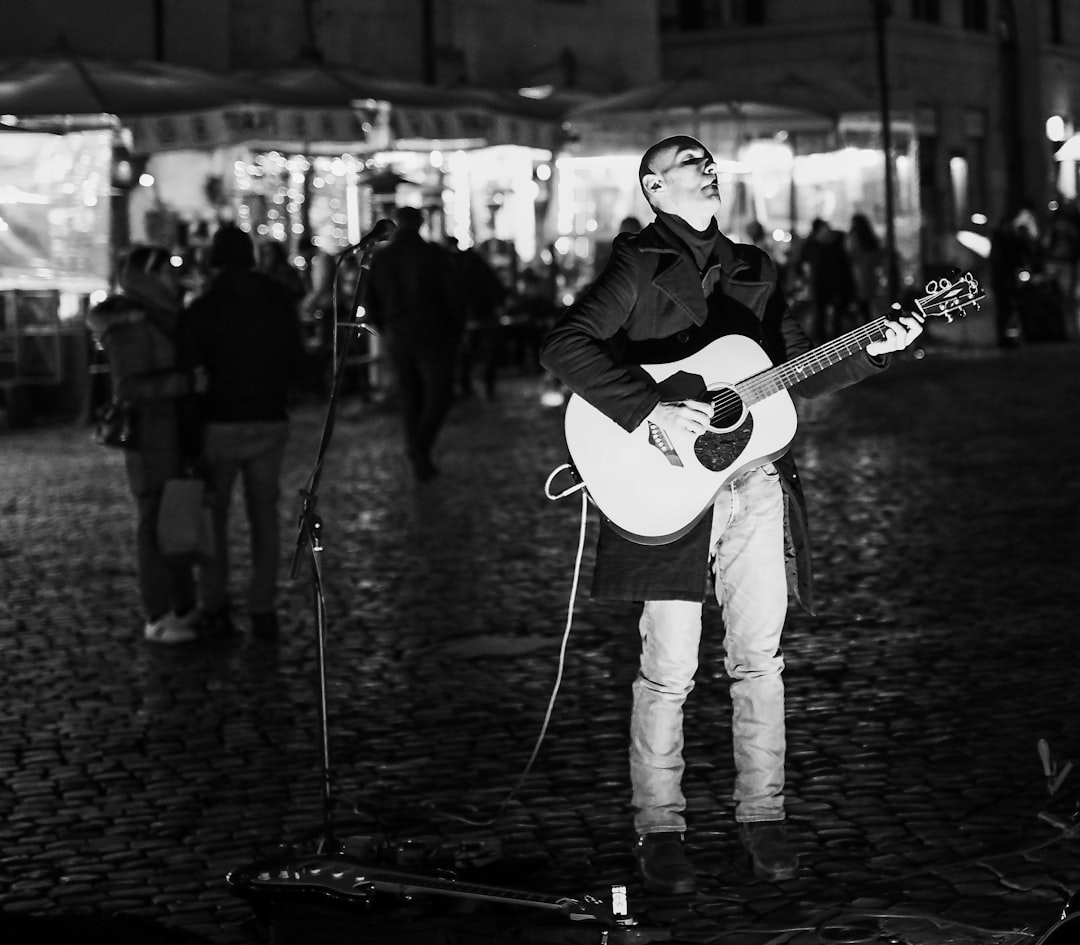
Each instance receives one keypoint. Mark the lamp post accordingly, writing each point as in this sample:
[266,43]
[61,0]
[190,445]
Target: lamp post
[882,9]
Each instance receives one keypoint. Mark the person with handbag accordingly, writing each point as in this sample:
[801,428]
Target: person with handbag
[136,326]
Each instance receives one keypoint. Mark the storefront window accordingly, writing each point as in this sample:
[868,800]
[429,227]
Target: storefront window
[54,211]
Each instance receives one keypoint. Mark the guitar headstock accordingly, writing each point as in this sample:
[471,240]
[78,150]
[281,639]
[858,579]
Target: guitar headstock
[948,298]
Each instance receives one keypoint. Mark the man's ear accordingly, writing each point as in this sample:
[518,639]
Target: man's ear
[653,183]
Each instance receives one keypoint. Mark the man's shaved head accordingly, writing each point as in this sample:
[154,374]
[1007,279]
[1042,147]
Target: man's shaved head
[671,143]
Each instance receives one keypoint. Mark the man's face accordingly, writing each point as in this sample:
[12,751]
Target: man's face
[687,180]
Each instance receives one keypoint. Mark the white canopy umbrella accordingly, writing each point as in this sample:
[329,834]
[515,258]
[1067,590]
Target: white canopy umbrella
[66,91]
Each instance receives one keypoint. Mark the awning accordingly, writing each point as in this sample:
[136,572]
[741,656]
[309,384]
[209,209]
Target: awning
[304,105]
[312,130]
[418,115]
[65,91]
[723,106]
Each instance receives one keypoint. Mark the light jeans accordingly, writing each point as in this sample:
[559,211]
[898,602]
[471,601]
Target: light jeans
[751,588]
[254,452]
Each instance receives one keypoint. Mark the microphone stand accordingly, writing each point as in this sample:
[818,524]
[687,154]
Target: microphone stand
[309,531]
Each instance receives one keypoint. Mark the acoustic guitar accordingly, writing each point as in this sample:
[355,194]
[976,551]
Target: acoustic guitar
[652,484]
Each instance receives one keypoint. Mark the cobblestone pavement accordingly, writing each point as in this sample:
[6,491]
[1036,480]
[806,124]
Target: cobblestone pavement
[944,499]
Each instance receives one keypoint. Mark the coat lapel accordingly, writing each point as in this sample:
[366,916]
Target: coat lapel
[678,279]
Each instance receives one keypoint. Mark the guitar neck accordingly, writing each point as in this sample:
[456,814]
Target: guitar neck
[393,881]
[784,376]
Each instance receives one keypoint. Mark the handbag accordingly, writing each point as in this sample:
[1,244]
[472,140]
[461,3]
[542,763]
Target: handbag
[185,522]
[117,423]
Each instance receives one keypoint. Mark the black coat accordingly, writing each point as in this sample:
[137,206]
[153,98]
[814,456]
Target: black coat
[415,296]
[245,332]
[651,305]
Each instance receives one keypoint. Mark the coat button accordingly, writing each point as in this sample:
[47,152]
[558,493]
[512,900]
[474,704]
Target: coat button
[682,337]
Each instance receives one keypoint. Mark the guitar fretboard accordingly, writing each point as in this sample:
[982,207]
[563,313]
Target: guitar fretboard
[784,376]
[946,298]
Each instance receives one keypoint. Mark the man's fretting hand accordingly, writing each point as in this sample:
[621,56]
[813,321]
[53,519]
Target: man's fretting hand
[688,416]
[899,333]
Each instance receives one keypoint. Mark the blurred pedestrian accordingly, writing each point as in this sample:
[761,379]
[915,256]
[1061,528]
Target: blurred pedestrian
[483,298]
[755,232]
[1012,260]
[628,224]
[531,314]
[414,298]
[1062,257]
[867,258]
[334,277]
[137,328]
[317,325]
[828,270]
[244,332]
[273,261]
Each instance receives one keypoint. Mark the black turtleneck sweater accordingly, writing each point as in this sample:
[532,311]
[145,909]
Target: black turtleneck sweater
[701,243]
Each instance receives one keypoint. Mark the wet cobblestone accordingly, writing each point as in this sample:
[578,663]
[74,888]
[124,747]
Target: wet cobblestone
[945,507]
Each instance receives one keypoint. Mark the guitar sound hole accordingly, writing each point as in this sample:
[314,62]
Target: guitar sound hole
[727,409]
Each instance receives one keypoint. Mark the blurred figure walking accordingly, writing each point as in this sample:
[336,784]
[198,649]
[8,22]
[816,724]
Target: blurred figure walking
[1062,258]
[244,331]
[483,297]
[137,328]
[414,298]
[273,261]
[867,258]
[1012,261]
[828,268]
[630,224]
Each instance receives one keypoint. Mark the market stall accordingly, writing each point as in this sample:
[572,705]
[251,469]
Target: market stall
[66,155]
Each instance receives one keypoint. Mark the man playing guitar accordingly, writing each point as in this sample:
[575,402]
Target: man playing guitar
[665,293]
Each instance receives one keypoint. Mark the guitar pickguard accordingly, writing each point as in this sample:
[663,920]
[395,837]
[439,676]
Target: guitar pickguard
[718,451]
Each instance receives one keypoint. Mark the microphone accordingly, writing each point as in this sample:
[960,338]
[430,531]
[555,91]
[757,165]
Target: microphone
[379,233]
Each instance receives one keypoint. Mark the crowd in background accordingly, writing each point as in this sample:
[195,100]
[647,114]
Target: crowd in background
[838,280]
[206,360]
[215,353]
[1033,273]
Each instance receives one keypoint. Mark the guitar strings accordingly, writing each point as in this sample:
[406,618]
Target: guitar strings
[755,388]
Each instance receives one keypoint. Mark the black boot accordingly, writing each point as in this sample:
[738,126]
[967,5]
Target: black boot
[770,855]
[663,865]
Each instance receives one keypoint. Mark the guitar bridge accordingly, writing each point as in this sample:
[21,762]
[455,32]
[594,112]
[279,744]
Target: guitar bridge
[660,440]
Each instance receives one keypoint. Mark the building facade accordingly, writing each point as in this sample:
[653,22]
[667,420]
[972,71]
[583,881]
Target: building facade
[593,45]
[990,88]
[980,92]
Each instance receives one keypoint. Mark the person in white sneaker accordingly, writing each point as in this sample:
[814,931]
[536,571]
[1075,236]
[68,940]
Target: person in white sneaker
[136,326]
